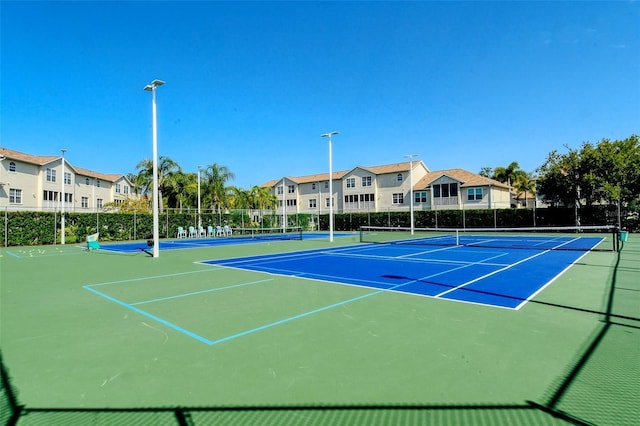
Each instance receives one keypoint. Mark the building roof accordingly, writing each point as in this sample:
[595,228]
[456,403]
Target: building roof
[466,178]
[27,158]
[96,175]
[321,177]
[41,160]
[391,168]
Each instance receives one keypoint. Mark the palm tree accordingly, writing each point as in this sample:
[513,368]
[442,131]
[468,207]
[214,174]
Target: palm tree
[165,166]
[183,187]
[238,198]
[216,177]
[508,174]
[261,198]
[524,183]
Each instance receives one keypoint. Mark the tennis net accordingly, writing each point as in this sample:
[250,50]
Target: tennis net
[580,238]
[288,233]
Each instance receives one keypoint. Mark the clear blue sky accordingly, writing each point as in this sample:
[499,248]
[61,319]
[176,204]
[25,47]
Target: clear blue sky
[252,85]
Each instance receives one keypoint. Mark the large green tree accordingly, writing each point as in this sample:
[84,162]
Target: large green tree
[608,171]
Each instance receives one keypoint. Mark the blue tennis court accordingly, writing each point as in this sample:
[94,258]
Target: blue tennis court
[498,277]
[189,243]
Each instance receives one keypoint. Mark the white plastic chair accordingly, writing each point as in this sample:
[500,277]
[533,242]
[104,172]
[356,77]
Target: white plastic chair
[192,232]
[210,232]
[219,231]
[201,232]
[181,232]
[227,231]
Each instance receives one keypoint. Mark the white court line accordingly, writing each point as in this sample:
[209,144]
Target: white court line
[404,258]
[491,273]
[153,277]
[210,290]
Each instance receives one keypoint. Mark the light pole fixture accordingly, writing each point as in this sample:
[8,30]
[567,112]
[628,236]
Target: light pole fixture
[62,197]
[199,217]
[152,88]
[410,157]
[329,135]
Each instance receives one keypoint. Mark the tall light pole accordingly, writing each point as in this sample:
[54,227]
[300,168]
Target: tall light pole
[284,214]
[199,217]
[62,194]
[329,135]
[152,88]
[410,157]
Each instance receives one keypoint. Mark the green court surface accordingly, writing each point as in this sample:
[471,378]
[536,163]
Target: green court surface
[75,357]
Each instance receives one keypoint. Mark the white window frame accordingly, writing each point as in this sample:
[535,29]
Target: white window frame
[51,175]
[420,197]
[475,194]
[15,196]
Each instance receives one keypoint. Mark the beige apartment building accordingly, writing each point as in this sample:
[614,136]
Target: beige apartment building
[388,188]
[32,182]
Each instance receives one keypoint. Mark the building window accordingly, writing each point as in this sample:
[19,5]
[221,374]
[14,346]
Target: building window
[117,188]
[99,203]
[51,175]
[351,182]
[49,196]
[445,190]
[292,189]
[312,204]
[366,180]
[366,197]
[398,198]
[420,197]
[474,194]
[68,197]
[15,196]
[12,166]
[98,183]
[292,203]
[86,181]
[326,185]
[279,190]
[326,202]
[85,202]
[313,186]
[126,189]
[67,178]
[399,177]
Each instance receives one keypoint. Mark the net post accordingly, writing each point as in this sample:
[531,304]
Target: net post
[457,237]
